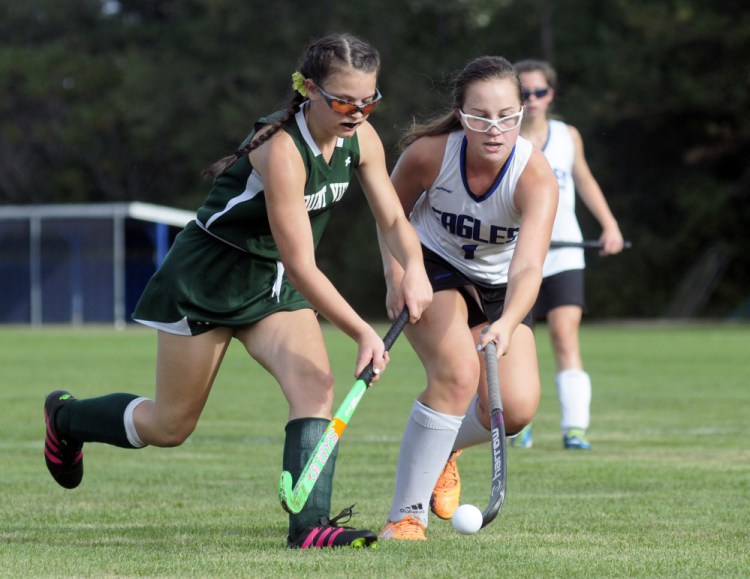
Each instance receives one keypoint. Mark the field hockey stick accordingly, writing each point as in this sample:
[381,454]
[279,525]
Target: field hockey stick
[497,438]
[293,499]
[588,244]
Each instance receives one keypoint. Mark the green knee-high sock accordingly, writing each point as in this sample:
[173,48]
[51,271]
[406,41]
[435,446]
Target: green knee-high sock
[302,435]
[96,419]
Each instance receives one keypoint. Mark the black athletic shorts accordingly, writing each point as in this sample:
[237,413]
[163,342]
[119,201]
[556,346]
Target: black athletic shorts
[562,289]
[444,276]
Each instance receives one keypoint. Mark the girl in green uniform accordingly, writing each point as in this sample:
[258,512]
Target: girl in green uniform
[245,269]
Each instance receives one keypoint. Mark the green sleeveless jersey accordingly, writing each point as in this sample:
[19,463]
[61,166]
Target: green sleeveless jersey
[235,209]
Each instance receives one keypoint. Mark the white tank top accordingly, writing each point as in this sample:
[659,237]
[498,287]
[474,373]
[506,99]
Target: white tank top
[475,232]
[560,153]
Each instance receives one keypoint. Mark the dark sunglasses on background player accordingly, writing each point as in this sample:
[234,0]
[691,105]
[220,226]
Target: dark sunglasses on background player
[538,93]
[346,107]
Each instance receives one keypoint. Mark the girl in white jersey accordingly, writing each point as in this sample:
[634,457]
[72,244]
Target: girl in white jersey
[483,201]
[561,297]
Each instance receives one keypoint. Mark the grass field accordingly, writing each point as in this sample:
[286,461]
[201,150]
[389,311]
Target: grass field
[664,493]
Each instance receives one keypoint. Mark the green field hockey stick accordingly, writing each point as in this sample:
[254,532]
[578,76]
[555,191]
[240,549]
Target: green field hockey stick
[293,499]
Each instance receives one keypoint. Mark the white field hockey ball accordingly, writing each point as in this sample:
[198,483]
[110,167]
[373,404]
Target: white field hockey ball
[467,519]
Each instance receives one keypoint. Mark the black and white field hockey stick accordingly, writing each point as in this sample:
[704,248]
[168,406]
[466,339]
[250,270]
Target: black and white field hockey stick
[588,244]
[293,499]
[497,438]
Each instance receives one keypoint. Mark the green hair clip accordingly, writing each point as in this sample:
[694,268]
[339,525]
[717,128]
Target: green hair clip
[298,83]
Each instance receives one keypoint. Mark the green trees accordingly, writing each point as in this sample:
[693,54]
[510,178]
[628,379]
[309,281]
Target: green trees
[130,100]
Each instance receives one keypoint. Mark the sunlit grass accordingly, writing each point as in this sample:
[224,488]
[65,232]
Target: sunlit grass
[665,492]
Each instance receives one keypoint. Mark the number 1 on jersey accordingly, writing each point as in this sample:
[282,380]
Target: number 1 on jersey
[469,251]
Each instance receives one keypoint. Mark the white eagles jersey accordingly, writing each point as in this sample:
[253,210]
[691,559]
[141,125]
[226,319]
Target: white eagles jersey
[475,232]
[560,153]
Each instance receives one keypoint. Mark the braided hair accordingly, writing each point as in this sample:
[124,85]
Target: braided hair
[321,59]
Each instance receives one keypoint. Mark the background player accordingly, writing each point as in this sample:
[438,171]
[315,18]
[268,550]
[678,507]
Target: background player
[561,296]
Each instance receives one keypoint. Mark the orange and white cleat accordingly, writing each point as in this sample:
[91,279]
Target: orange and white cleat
[407,529]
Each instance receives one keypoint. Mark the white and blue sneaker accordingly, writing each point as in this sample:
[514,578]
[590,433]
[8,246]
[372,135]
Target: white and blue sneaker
[523,439]
[575,439]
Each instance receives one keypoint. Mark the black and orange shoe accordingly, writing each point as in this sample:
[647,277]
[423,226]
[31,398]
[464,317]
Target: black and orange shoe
[64,456]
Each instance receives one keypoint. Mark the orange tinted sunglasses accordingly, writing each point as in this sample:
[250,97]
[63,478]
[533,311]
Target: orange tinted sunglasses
[346,107]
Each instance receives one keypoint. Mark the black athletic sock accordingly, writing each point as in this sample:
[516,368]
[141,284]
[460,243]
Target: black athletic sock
[96,419]
[302,436]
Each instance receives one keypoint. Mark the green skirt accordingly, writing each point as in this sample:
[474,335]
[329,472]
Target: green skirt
[204,283]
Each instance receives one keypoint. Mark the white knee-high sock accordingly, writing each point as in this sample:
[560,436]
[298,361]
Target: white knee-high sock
[472,431]
[426,444]
[574,392]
